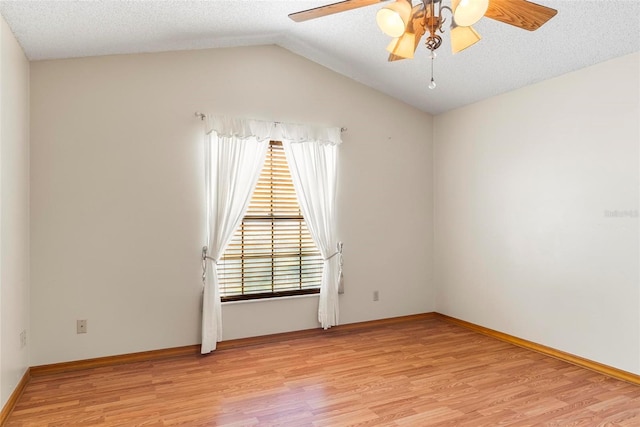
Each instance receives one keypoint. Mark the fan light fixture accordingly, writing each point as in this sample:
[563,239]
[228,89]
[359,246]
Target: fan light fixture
[468,12]
[464,13]
[408,23]
[393,19]
[403,46]
[462,37]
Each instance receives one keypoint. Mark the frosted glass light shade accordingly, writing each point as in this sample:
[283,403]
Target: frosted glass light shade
[468,12]
[462,38]
[403,46]
[393,19]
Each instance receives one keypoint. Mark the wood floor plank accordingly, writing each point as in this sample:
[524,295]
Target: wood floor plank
[422,372]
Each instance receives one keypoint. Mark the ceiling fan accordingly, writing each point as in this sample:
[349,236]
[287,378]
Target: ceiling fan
[407,23]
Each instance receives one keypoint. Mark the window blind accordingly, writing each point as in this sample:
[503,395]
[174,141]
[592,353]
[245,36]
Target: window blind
[272,252]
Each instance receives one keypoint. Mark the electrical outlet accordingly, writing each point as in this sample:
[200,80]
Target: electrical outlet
[376,296]
[23,338]
[81,326]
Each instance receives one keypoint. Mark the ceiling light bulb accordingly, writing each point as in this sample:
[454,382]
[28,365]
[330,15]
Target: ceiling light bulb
[468,12]
[393,19]
[432,84]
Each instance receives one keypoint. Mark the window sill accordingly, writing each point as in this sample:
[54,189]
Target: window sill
[270,299]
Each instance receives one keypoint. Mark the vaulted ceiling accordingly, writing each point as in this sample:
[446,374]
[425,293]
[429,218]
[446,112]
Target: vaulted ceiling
[581,34]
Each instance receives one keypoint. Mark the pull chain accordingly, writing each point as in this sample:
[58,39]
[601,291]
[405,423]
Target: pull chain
[432,84]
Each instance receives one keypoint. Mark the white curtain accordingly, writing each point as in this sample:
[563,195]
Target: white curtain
[312,157]
[234,154]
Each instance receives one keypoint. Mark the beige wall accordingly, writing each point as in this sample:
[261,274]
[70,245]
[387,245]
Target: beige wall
[523,183]
[14,211]
[117,195]
[526,186]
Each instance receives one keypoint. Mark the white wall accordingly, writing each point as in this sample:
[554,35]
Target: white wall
[14,211]
[117,195]
[523,185]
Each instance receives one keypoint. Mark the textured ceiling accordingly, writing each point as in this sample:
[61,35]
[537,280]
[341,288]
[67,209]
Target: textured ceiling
[583,33]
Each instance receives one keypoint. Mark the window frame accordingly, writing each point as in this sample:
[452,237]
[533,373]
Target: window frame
[274,219]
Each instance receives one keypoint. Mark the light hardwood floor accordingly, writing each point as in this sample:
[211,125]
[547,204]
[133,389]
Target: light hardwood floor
[423,372]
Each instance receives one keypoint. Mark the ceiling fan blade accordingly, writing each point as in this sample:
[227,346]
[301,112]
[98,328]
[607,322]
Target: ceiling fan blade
[330,9]
[415,26]
[520,13]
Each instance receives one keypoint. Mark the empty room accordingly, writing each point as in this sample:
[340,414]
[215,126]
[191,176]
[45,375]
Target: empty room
[320,213]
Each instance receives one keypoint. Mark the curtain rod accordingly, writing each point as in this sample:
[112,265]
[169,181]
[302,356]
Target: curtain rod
[202,116]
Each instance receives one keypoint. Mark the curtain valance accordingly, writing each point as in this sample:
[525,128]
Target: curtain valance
[227,127]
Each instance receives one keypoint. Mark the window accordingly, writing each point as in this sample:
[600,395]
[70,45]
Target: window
[271,253]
